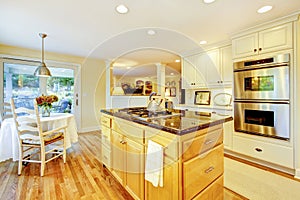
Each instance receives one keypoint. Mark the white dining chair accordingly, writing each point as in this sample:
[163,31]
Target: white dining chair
[6,112]
[36,143]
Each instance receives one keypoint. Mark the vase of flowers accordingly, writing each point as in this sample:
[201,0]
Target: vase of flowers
[45,103]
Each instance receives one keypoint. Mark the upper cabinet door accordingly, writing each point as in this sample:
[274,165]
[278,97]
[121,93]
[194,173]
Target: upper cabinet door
[213,75]
[188,72]
[227,65]
[265,41]
[245,46]
[275,39]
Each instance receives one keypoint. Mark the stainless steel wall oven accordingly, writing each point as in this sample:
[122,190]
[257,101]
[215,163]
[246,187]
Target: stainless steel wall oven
[261,96]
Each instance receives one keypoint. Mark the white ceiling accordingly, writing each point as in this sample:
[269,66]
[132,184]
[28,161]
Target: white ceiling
[92,28]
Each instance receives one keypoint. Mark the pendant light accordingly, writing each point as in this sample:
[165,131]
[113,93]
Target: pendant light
[42,69]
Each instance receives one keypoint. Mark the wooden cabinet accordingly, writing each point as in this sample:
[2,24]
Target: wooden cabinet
[105,140]
[171,183]
[212,68]
[118,156]
[135,167]
[213,192]
[128,160]
[265,41]
[201,144]
[192,162]
[201,171]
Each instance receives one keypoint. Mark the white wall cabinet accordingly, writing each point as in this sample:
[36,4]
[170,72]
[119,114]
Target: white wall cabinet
[193,72]
[212,68]
[265,41]
[226,65]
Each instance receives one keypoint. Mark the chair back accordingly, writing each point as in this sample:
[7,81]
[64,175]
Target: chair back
[24,123]
[38,118]
[6,111]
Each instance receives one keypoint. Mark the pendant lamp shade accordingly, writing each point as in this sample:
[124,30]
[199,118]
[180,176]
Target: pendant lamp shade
[42,69]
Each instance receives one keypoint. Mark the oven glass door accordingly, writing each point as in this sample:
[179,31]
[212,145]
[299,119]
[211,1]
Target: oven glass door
[262,84]
[266,119]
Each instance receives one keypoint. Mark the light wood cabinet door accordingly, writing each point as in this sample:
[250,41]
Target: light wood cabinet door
[275,39]
[135,167]
[171,183]
[201,171]
[215,191]
[196,146]
[118,156]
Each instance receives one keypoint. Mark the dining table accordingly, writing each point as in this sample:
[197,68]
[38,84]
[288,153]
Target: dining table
[9,141]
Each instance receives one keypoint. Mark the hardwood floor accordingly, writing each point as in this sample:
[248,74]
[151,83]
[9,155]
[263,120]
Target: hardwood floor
[80,178]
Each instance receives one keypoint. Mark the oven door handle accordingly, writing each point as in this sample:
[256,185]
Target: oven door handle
[262,101]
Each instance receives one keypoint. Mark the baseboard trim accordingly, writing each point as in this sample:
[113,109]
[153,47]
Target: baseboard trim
[297,174]
[89,129]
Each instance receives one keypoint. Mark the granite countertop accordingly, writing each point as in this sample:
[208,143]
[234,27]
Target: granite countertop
[178,122]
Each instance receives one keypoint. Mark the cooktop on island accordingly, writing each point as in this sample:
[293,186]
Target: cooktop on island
[143,114]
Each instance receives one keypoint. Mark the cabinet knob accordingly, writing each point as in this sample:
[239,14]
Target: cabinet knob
[255,50]
[123,142]
[260,49]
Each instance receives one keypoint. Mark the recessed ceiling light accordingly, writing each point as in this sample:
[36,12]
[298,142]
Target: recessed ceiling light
[208,1]
[177,61]
[203,42]
[122,9]
[172,74]
[264,9]
[151,32]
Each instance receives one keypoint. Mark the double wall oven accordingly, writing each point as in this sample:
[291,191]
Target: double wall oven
[261,96]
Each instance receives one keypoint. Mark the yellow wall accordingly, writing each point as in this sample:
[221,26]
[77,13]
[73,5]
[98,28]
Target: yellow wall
[92,81]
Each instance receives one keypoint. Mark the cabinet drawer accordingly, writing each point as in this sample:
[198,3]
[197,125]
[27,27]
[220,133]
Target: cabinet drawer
[274,153]
[105,121]
[105,136]
[106,155]
[198,145]
[214,191]
[202,170]
[170,146]
[133,132]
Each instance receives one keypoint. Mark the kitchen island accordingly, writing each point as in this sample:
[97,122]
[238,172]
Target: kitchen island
[192,145]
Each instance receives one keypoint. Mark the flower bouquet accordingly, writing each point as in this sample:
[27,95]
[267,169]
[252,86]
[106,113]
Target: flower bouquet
[45,103]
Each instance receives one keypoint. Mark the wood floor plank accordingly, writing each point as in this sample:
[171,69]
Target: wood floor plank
[81,177]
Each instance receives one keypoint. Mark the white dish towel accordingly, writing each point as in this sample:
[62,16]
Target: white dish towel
[154,164]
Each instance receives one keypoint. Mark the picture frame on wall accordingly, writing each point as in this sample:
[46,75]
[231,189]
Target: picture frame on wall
[173,91]
[202,98]
[170,91]
[167,92]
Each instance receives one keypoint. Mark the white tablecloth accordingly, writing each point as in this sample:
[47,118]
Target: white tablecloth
[9,147]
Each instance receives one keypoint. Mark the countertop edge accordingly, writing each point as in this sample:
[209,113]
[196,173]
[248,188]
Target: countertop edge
[170,130]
